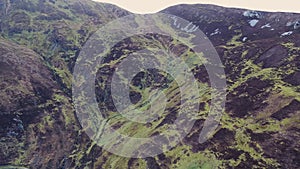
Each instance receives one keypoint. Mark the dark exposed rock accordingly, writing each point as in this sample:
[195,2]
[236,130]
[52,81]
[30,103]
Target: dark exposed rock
[273,56]
[151,163]
[254,92]
[293,78]
[287,110]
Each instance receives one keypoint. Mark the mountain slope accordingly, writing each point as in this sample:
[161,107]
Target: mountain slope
[262,64]
[55,29]
[34,110]
[42,39]
[38,125]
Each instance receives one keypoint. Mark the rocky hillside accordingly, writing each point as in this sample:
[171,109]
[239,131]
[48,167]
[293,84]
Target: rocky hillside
[260,52]
[41,39]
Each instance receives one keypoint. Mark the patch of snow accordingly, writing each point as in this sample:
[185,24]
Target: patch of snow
[266,26]
[189,28]
[246,13]
[272,29]
[289,24]
[217,31]
[286,33]
[253,22]
[252,14]
[295,25]
[244,39]
[175,20]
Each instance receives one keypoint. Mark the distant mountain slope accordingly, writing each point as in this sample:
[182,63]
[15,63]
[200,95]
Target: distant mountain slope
[261,55]
[55,29]
[41,40]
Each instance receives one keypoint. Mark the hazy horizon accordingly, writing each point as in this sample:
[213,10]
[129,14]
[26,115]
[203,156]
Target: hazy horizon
[143,7]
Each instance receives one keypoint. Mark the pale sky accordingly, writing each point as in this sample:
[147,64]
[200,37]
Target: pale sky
[152,6]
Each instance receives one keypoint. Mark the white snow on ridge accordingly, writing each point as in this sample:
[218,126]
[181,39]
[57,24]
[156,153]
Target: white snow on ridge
[266,26]
[253,22]
[286,33]
[289,24]
[244,39]
[295,25]
[217,31]
[252,14]
[188,28]
[175,21]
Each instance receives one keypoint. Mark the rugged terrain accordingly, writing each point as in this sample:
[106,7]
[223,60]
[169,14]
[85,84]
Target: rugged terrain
[41,39]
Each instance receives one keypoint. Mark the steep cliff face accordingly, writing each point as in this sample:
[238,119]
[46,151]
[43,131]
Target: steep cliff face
[41,40]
